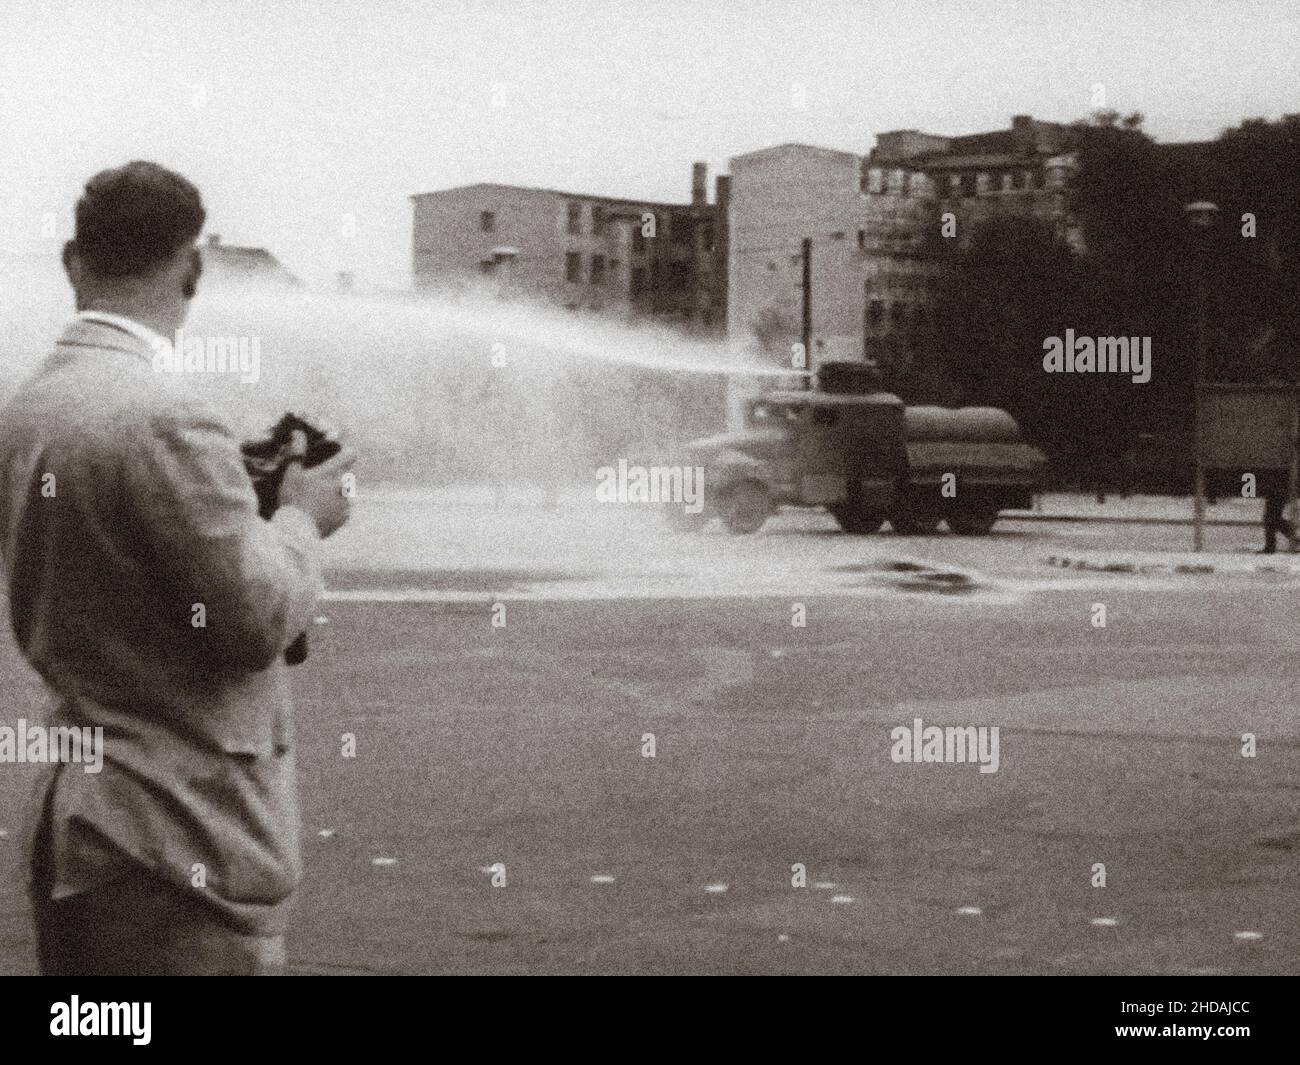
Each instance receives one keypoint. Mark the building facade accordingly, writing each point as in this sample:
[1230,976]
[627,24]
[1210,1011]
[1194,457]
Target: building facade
[883,229]
[582,252]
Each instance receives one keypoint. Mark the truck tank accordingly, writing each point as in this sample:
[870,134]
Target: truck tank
[976,424]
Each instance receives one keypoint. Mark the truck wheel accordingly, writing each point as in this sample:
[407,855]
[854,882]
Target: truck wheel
[745,508]
[973,521]
[914,523]
[857,519]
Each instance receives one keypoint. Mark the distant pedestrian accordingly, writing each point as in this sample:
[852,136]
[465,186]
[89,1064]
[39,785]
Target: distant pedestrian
[1275,522]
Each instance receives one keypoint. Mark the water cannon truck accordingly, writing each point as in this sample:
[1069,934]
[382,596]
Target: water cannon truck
[866,457]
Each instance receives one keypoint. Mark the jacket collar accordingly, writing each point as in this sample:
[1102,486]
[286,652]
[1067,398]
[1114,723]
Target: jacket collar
[93,333]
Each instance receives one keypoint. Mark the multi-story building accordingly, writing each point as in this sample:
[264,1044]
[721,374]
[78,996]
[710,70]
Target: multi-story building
[876,224]
[583,252]
[1021,170]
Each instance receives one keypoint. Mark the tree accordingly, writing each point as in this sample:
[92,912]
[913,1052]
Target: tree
[775,331]
[1014,283]
[1253,174]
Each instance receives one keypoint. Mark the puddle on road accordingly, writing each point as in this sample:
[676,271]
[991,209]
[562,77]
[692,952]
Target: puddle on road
[943,583]
[912,576]
[881,577]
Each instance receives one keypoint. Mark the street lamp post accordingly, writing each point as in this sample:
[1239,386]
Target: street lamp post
[1200,216]
[805,331]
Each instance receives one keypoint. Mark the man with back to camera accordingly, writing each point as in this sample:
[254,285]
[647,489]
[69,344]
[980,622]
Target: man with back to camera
[156,604]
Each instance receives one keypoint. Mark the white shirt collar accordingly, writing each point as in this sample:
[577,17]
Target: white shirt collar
[156,341]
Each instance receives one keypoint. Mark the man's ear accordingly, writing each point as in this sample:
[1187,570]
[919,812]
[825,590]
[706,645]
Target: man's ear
[72,262]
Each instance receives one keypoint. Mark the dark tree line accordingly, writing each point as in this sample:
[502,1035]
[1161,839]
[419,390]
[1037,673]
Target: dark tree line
[1016,281]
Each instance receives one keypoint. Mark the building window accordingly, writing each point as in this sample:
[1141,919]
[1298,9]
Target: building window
[597,220]
[575,218]
[904,183]
[862,239]
[875,181]
[487,221]
[598,269]
[572,266]
[1006,182]
[983,183]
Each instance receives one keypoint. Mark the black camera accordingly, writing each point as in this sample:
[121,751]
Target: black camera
[266,461]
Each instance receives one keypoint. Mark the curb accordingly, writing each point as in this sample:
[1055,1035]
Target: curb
[1095,566]
[1124,519]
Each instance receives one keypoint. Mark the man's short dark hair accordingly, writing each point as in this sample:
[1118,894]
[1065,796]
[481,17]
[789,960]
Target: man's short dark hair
[134,218]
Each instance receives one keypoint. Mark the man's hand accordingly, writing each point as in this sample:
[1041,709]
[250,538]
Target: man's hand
[319,490]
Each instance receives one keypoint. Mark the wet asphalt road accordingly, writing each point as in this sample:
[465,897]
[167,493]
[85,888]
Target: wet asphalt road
[517,753]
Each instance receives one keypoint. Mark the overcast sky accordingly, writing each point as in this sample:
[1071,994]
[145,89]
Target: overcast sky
[308,124]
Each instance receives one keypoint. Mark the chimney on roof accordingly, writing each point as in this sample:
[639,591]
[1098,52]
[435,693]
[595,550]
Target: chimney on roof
[699,184]
[214,239]
[1023,134]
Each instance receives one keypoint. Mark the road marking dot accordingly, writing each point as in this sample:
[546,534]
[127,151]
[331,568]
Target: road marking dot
[602,878]
[824,885]
[783,938]
[841,900]
[1248,936]
[715,889]
[325,833]
[322,620]
[969,911]
[383,861]
[1105,922]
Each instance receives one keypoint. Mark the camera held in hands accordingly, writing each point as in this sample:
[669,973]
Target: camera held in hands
[267,460]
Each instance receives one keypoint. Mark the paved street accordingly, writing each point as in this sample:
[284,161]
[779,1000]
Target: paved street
[523,745]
